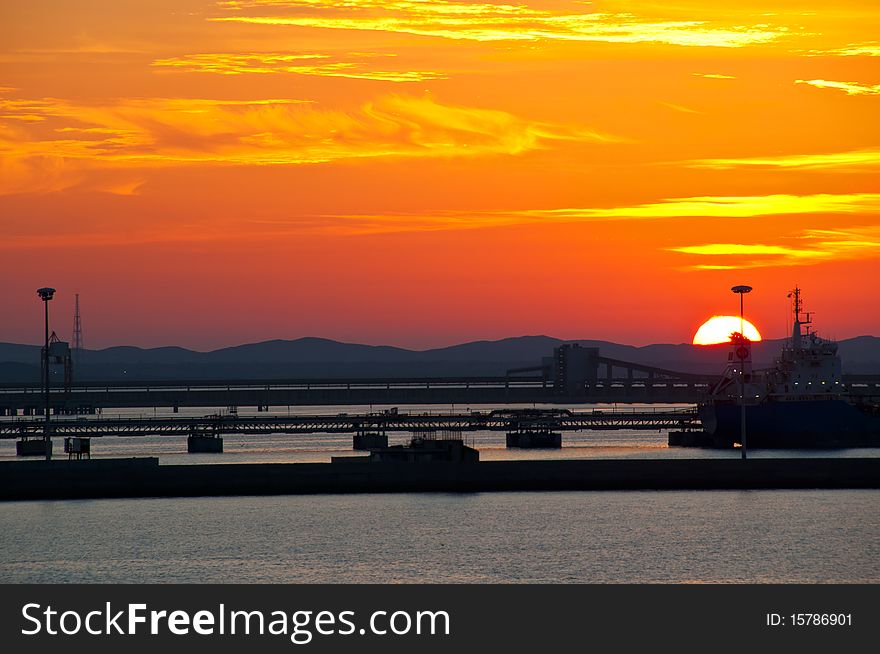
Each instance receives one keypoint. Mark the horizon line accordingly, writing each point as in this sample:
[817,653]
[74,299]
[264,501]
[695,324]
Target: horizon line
[410,349]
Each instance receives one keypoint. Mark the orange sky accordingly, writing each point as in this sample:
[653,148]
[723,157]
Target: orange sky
[421,173]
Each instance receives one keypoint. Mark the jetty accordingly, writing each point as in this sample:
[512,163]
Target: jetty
[144,477]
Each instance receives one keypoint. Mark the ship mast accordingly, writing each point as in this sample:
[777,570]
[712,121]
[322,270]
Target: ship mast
[796,304]
[797,309]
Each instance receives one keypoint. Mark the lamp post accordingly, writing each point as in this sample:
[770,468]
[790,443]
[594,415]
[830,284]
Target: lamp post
[46,294]
[741,351]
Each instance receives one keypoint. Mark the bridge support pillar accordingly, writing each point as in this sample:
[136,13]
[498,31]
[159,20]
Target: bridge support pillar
[32,446]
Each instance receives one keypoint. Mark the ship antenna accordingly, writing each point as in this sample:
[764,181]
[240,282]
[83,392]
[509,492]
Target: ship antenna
[77,334]
[796,308]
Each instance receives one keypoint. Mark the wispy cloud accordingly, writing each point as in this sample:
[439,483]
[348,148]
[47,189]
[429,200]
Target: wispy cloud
[844,162]
[807,248]
[696,207]
[866,49]
[850,88]
[714,76]
[322,65]
[680,108]
[730,207]
[73,138]
[491,22]
[736,249]
[804,248]
[441,7]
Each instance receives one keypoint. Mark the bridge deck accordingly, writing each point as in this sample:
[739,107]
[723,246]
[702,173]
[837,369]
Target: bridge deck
[16,399]
[492,421]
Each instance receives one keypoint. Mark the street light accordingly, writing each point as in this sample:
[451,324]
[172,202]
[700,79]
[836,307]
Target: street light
[741,352]
[46,294]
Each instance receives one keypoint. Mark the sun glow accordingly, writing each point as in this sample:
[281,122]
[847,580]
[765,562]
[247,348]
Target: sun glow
[366,154]
[719,328]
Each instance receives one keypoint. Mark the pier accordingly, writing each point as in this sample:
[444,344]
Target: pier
[144,477]
[375,423]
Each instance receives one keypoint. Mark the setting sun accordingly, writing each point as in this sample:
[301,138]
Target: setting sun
[719,328]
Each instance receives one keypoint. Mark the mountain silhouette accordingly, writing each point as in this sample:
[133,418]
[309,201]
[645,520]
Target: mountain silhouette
[312,357]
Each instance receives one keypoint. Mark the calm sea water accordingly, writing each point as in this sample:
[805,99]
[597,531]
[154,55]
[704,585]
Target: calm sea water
[706,536]
[693,536]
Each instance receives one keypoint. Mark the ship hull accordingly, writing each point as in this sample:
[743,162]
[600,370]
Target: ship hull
[806,424]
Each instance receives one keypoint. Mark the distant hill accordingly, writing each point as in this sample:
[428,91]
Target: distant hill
[322,358]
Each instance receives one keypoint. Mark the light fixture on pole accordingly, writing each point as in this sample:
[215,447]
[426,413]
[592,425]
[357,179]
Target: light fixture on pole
[741,352]
[46,294]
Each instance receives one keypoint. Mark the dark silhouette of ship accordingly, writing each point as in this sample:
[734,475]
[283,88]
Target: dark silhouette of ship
[800,402]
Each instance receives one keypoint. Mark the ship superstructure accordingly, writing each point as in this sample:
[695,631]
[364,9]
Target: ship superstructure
[808,367]
[799,402]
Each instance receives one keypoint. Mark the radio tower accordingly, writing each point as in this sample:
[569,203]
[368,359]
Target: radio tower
[77,334]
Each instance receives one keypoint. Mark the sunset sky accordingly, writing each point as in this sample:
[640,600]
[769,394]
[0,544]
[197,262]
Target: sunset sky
[421,173]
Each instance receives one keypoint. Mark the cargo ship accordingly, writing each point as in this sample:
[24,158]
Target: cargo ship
[800,402]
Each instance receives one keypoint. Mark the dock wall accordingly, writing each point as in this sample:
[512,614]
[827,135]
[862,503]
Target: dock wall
[143,477]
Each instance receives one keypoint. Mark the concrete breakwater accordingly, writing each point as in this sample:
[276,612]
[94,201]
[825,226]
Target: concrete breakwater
[144,477]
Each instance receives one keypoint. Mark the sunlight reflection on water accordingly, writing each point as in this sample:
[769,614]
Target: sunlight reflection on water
[671,536]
